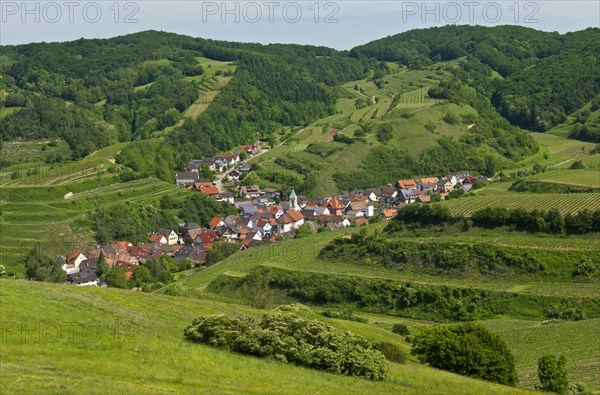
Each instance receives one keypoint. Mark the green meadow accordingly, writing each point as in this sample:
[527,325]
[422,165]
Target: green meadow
[62,340]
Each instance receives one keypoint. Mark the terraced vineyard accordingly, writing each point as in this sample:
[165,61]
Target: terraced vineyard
[528,340]
[565,203]
[41,217]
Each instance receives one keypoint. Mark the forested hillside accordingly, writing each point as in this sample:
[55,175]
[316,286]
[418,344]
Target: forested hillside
[546,76]
[140,88]
[92,93]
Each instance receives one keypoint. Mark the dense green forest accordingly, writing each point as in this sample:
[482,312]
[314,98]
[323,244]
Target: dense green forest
[88,92]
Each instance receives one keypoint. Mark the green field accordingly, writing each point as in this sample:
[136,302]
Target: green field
[211,66]
[302,254]
[585,177]
[560,151]
[112,341]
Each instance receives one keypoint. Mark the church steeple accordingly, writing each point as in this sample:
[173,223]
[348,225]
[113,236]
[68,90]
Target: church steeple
[294,201]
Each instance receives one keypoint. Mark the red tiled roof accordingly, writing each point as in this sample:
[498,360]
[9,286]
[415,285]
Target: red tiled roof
[206,188]
[389,213]
[208,237]
[284,219]
[334,203]
[295,215]
[156,237]
[215,221]
[73,256]
[407,184]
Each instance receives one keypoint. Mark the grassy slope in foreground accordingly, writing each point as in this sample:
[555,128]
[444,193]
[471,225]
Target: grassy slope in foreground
[149,355]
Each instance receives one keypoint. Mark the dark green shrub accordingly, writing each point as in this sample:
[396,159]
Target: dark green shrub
[401,329]
[391,351]
[584,268]
[577,165]
[289,338]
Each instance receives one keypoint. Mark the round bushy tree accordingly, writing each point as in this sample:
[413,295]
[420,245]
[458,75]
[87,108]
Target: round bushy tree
[468,349]
[43,267]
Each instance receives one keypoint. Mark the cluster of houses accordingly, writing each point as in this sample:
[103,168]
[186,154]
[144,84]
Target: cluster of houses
[191,243]
[265,215]
[220,163]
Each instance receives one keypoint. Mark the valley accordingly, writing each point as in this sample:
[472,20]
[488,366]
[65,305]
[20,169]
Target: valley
[418,180]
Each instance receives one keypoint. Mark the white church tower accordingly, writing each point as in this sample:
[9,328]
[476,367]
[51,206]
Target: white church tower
[294,201]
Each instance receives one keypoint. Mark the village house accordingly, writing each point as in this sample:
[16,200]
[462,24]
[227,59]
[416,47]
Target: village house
[83,278]
[254,235]
[186,178]
[388,214]
[263,201]
[215,223]
[311,213]
[425,198]
[227,233]
[250,149]
[334,221]
[247,209]
[406,184]
[157,238]
[206,188]
[194,254]
[228,160]
[185,228]
[234,175]
[408,196]
[444,185]
[264,226]
[387,195]
[335,207]
[71,264]
[271,192]
[226,197]
[291,219]
[142,251]
[170,235]
[452,179]
[210,162]
[243,167]
[249,191]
